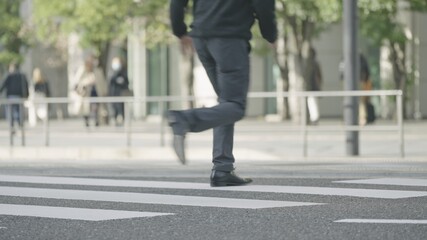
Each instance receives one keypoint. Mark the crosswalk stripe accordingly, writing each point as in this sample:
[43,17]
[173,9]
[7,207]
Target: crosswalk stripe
[145,198]
[325,191]
[390,181]
[73,213]
[383,221]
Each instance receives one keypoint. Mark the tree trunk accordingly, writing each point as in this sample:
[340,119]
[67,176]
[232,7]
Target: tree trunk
[104,51]
[399,71]
[299,63]
[281,56]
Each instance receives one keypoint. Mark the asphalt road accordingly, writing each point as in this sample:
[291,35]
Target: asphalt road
[287,201]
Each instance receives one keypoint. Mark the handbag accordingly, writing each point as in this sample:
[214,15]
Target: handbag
[370,112]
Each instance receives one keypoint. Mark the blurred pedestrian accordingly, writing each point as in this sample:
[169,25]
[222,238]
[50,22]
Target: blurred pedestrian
[221,31]
[314,84]
[39,91]
[16,86]
[119,86]
[366,109]
[90,83]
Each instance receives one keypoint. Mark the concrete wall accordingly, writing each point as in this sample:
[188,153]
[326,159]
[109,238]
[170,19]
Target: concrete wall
[421,20]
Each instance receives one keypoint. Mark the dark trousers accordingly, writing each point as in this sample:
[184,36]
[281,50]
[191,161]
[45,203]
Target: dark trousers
[94,113]
[118,109]
[14,112]
[226,62]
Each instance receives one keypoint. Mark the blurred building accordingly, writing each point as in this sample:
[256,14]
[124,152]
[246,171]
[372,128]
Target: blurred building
[163,71]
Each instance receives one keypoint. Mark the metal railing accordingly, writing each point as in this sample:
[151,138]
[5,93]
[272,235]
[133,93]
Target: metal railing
[163,100]
[304,126]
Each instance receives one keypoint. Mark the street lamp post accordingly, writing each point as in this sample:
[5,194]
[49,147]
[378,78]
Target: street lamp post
[351,74]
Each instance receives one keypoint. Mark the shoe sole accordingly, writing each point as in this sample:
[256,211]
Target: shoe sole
[227,184]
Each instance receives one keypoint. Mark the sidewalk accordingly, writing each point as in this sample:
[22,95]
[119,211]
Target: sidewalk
[255,140]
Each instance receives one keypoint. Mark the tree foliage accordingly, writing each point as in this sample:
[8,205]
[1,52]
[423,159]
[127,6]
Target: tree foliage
[418,5]
[299,24]
[99,22]
[308,18]
[378,21]
[380,25]
[13,32]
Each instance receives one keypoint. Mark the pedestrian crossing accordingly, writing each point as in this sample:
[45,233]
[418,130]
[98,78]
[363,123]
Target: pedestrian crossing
[72,213]
[325,191]
[390,181]
[174,200]
[383,221]
[145,198]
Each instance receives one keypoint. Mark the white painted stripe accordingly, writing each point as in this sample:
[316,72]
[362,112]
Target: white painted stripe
[390,181]
[352,192]
[72,213]
[383,221]
[126,197]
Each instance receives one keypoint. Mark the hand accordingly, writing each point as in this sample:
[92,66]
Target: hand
[186,45]
[273,45]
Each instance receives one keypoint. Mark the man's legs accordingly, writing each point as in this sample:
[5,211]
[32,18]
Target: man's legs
[14,112]
[9,115]
[94,112]
[227,64]
[222,154]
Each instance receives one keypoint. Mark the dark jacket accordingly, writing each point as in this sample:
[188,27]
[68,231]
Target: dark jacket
[118,82]
[43,88]
[225,18]
[16,84]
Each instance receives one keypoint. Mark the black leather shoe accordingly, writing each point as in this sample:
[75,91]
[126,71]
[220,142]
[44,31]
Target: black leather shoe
[179,128]
[224,179]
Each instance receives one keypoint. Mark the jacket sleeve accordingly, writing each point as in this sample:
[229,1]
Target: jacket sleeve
[3,86]
[265,13]
[177,13]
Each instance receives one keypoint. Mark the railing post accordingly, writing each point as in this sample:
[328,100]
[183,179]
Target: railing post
[22,122]
[162,122]
[46,126]
[11,130]
[399,101]
[128,125]
[304,125]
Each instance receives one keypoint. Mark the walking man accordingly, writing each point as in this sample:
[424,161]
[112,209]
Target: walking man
[220,33]
[16,85]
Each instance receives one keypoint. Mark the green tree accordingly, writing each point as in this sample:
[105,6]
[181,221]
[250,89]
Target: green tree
[418,5]
[13,32]
[98,23]
[299,23]
[380,25]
